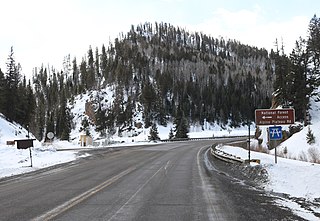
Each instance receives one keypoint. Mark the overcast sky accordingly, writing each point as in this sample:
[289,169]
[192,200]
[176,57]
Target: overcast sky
[45,31]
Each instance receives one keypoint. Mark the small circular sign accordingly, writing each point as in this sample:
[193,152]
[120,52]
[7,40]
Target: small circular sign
[50,135]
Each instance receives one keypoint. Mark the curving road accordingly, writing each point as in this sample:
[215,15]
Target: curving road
[157,182]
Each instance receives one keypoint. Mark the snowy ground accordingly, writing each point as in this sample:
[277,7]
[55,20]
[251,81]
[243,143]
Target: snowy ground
[295,178]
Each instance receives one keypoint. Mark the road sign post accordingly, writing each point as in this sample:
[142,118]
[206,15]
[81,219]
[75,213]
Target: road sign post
[275,133]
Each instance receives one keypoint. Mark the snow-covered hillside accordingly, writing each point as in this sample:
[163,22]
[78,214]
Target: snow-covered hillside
[297,147]
[14,161]
[10,131]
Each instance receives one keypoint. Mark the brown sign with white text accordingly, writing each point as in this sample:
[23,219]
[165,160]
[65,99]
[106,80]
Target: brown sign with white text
[275,116]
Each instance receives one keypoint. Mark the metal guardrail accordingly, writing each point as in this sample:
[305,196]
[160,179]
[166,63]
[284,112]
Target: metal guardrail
[225,156]
[201,138]
[219,154]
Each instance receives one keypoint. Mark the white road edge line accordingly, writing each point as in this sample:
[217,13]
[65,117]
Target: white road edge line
[78,199]
[212,214]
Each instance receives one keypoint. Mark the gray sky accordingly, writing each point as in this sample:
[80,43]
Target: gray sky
[45,31]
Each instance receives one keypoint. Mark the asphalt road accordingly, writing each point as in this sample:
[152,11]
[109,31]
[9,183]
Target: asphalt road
[167,181]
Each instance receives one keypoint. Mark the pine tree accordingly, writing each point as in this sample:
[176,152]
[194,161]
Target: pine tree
[11,92]
[171,135]
[101,121]
[314,46]
[310,137]
[104,63]
[302,87]
[75,77]
[91,76]
[2,92]
[84,76]
[148,96]
[63,125]
[154,134]
[181,125]
[282,71]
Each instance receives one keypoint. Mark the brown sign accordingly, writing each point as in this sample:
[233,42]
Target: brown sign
[275,116]
[24,144]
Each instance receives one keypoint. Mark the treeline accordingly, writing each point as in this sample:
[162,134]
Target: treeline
[167,72]
[298,75]
[17,99]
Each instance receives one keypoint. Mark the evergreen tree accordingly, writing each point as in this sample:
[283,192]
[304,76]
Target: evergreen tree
[104,63]
[310,137]
[11,91]
[101,121]
[2,92]
[171,135]
[63,125]
[181,125]
[75,77]
[314,47]
[91,78]
[154,134]
[299,80]
[84,76]
[148,96]
[97,67]
[282,70]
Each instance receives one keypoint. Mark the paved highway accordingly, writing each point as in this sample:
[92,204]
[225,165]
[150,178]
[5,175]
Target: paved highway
[157,182]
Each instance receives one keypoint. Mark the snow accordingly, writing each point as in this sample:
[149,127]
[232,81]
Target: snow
[289,176]
[297,179]
[293,177]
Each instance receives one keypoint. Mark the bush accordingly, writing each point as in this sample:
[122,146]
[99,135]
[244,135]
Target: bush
[314,155]
[303,156]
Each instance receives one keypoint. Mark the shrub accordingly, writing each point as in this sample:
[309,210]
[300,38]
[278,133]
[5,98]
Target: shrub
[314,155]
[303,156]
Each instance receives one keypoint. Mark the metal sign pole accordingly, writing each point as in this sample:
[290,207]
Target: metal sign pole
[30,155]
[249,143]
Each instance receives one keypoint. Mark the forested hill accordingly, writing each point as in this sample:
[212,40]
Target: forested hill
[166,72]
[169,71]
[166,68]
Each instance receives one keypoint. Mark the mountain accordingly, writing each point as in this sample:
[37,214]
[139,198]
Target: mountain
[168,75]
[161,71]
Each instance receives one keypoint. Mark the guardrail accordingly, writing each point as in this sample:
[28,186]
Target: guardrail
[200,138]
[225,156]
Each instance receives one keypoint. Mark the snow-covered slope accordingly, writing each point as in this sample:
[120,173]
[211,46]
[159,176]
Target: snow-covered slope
[296,147]
[12,131]
[14,161]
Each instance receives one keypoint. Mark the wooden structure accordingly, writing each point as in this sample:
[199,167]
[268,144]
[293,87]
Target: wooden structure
[85,140]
